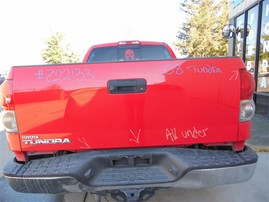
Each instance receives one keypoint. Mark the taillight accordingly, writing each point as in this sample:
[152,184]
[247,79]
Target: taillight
[7,103]
[6,95]
[9,121]
[247,110]
[247,106]
[247,85]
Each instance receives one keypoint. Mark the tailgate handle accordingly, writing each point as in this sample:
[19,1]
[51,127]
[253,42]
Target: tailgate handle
[127,86]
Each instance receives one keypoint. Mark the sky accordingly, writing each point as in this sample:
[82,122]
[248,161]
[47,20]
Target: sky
[25,25]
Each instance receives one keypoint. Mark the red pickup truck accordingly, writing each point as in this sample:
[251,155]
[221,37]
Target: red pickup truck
[127,121]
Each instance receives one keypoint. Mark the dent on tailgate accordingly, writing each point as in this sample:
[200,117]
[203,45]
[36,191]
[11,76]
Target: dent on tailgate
[69,107]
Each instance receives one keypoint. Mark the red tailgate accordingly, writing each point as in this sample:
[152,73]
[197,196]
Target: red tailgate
[93,106]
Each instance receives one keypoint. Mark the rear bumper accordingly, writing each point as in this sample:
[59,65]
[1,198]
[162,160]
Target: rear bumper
[131,168]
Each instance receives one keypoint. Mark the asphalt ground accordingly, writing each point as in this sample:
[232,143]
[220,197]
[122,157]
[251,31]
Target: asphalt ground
[254,190]
[259,139]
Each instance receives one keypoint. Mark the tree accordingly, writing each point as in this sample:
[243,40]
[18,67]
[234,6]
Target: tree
[201,34]
[57,52]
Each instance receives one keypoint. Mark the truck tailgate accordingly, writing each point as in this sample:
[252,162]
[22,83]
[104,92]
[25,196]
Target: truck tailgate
[127,104]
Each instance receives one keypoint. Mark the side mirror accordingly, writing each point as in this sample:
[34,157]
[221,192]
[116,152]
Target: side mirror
[229,31]
[248,29]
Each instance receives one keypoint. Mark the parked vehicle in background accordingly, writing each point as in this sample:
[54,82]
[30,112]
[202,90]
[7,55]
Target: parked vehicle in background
[2,76]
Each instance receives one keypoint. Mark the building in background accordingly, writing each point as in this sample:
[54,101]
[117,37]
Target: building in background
[251,18]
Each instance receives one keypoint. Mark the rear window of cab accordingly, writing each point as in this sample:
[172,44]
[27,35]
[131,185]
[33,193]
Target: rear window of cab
[128,53]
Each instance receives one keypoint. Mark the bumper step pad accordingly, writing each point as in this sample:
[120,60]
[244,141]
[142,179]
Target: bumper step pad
[124,168]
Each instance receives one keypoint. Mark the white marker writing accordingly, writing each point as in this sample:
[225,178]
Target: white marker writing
[194,133]
[234,75]
[135,137]
[171,134]
[84,142]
